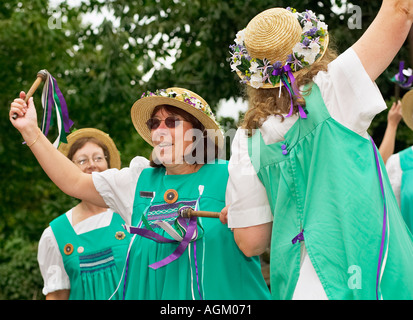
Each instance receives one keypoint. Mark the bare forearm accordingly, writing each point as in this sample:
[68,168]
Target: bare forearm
[386,148]
[253,241]
[385,36]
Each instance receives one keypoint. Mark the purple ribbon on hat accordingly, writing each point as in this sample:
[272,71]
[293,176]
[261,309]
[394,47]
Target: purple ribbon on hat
[282,72]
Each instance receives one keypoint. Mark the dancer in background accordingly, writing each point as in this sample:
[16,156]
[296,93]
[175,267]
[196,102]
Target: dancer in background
[400,165]
[305,177]
[83,252]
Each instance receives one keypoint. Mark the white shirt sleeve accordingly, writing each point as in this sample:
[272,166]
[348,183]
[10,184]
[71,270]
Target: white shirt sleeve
[394,172]
[117,187]
[51,264]
[349,94]
[245,193]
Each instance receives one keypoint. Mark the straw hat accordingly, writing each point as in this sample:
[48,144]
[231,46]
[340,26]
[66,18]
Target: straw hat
[178,97]
[100,135]
[407,109]
[278,36]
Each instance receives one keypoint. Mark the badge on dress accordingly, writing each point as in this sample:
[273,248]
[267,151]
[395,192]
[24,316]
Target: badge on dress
[170,196]
[68,249]
[120,235]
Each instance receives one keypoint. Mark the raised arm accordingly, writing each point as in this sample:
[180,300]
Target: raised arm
[63,172]
[393,119]
[385,36]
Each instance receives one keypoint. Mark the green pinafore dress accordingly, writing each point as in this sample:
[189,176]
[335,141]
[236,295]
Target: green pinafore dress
[326,192]
[406,190]
[93,260]
[177,258]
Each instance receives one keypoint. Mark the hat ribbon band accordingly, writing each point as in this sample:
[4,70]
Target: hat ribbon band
[286,74]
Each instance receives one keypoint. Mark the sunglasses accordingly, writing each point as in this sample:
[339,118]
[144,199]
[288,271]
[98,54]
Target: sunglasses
[170,122]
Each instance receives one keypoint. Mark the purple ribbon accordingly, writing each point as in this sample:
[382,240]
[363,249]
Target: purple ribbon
[65,113]
[181,247]
[150,235]
[383,235]
[400,77]
[281,72]
[299,237]
[196,270]
[53,87]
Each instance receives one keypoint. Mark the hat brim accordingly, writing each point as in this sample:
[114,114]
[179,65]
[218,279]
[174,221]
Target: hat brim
[115,161]
[407,109]
[143,108]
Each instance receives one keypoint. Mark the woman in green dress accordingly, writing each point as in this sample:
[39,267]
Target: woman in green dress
[318,191]
[171,257]
[82,253]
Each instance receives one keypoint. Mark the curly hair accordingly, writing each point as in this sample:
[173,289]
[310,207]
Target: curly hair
[265,102]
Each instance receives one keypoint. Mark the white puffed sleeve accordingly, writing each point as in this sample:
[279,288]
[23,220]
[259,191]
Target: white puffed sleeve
[117,187]
[245,194]
[349,94]
[51,264]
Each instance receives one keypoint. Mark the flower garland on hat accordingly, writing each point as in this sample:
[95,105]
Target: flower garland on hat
[184,97]
[258,72]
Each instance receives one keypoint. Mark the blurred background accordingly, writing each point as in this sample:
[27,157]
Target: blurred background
[104,55]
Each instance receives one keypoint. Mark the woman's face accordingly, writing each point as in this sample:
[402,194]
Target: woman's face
[171,144]
[90,158]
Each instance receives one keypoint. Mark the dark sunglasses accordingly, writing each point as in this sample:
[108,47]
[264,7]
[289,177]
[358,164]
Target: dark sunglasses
[170,122]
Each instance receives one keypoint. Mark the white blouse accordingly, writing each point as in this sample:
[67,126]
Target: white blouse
[49,257]
[353,100]
[117,187]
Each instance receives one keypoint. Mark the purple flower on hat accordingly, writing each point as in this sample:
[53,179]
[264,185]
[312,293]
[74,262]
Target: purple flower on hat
[312,32]
[303,54]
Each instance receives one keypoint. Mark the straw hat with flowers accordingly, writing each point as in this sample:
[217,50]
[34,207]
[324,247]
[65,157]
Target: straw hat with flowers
[277,45]
[95,133]
[407,109]
[177,97]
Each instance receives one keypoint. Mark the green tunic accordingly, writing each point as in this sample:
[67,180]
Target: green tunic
[212,267]
[406,190]
[93,260]
[323,179]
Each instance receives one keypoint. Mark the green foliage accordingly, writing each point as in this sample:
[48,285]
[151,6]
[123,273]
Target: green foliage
[19,272]
[102,70]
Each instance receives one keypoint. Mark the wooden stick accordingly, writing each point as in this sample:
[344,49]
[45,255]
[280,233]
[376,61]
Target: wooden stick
[189,212]
[41,76]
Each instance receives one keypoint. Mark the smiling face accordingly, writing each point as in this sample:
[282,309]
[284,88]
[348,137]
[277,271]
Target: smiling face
[171,143]
[90,158]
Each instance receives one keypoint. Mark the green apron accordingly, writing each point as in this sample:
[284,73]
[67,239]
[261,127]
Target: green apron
[323,188]
[93,260]
[210,267]
[406,190]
